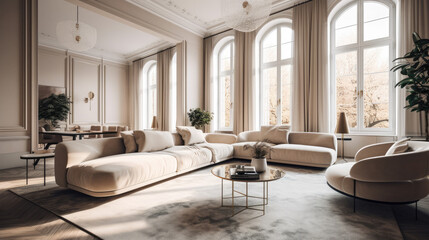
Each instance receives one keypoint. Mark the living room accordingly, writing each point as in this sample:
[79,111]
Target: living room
[164,101]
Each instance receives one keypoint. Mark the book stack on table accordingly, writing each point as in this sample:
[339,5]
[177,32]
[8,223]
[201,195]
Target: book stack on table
[244,172]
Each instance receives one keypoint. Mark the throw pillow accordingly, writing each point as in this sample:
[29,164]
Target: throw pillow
[157,141]
[139,136]
[191,135]
[129,141]
[276,135]
[398,147]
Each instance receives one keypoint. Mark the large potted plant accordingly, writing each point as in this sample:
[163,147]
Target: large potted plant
[53,109]
[259,152]
[199,118]
[415,66]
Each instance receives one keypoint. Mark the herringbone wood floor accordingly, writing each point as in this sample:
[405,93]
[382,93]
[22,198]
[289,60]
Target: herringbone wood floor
[21,219]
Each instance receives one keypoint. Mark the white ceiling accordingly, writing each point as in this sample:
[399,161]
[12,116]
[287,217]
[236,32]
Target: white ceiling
[115,40]
[202,17]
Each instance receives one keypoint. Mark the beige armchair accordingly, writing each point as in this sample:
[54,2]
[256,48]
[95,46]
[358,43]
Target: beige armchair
[399,178]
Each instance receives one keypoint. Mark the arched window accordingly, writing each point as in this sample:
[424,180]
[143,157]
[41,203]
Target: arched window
[223,89]
[275,70]
[148,89]
[362,49]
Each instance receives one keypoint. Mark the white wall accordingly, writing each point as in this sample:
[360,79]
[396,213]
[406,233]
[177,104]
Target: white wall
[18,20]
[115,82]
[80,75]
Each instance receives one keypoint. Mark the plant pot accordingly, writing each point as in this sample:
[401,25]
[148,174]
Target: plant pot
[260,164]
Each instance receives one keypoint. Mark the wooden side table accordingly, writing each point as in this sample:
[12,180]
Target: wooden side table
[36,158]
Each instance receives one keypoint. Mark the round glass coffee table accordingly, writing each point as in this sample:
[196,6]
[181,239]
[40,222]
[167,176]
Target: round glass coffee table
[224,173]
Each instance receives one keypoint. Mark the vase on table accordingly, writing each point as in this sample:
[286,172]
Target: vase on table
[260,164]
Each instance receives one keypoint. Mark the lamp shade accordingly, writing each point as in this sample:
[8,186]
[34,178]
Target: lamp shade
[342,125]
[154,123]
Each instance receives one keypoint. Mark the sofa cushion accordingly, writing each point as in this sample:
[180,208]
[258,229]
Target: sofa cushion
[240,152]
[191,135]
[129,141]
[120,171]
[220,151]
[157,141]
[178,141]
[276,135]
[303,154]
[398,147]
[139,136]
[188,156]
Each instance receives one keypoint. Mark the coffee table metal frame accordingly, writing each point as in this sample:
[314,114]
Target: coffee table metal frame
[247,196]
[235,194]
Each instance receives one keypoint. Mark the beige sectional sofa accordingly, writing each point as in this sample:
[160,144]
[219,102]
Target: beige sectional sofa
[104,167]
[300,148]
[101,168]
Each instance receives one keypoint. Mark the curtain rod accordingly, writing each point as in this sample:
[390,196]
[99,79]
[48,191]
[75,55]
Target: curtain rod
[271,14]
[153,54]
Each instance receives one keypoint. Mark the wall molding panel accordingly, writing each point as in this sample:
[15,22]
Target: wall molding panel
[18,65]
[82,73]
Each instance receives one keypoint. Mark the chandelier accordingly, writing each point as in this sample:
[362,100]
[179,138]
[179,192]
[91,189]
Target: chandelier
[245,15]
[76,36]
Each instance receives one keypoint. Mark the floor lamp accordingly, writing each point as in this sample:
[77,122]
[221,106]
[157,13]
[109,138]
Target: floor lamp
[342,128]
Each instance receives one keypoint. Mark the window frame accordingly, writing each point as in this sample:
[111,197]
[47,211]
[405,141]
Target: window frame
[152,66]
[277,64]
[221,91]
[360,47]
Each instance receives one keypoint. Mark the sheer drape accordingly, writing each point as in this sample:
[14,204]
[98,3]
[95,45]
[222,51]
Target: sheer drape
[163,89]
[244,58]
[310,81]
[414,17]
[135,94]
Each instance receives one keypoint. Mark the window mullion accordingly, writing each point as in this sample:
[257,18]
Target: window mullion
[360,82]
[279,82]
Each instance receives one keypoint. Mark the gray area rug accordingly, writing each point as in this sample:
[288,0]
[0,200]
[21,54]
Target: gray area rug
[301,206]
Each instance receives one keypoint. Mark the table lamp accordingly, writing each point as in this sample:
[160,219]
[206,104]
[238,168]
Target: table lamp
[154,123]
[343,128]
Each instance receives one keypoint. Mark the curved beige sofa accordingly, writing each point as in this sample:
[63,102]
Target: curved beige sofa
[399,178]
[101,168]
[302,148]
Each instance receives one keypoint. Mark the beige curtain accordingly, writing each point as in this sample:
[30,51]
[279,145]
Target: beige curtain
[414,17]
[244,56]
[181,84]
[310,81]
[163,89]
[208,78]
[134,90]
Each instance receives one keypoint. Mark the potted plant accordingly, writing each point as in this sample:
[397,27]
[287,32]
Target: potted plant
[53,109]
[259,152]
[415,66]
[199,118]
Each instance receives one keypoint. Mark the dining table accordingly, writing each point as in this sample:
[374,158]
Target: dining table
[75,134]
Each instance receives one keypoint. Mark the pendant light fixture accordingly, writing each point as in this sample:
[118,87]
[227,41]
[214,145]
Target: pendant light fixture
[245,15]
[76,36]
